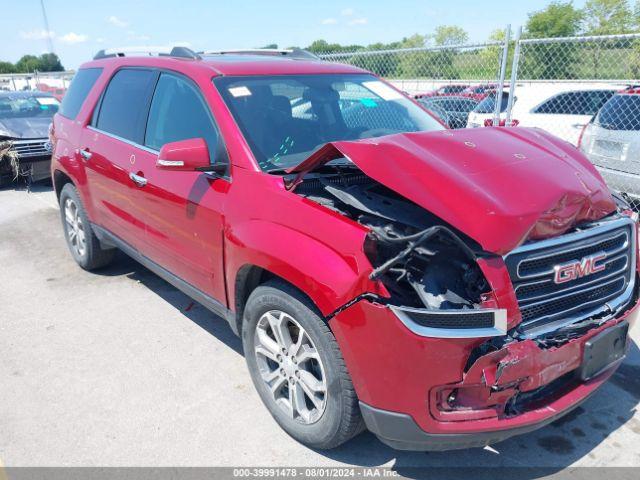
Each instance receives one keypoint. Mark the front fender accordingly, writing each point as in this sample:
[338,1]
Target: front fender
[330,278]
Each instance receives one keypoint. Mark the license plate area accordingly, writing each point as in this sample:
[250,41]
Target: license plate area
[610,149]
[604,350]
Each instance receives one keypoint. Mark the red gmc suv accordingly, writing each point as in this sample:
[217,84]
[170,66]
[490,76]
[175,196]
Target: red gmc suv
[444,289]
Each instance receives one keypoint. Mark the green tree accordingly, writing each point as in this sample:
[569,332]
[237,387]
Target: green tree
[322,46]
[607,17]
[27,64]
[414,64]
[383,64]
[7,67]
[559,19]
[449,35]
[489,57]
[49,62]
[551,61]
[444,61]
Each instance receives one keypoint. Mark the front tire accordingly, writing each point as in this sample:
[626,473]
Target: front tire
[297,367]
[81,240]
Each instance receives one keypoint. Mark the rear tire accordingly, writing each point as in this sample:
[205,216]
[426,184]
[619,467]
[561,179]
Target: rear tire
[82,242]
[297,367]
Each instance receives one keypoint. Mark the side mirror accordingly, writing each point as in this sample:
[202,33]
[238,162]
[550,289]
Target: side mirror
[184,155]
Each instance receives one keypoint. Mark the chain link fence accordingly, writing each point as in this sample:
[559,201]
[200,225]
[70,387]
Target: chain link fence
[585,90]
[55,83]
[421,70]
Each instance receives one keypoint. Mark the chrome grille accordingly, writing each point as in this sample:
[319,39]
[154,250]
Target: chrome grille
[546,305]
[31,148]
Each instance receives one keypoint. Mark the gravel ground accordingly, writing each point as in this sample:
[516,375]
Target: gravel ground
[118,368]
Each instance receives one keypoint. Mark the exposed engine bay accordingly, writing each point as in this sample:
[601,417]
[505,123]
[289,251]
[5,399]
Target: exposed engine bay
[421,261]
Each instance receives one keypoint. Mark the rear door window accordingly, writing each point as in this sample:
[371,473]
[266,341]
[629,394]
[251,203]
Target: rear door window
[125,104]
[488,105]
[178,112]
[80,87]
[575,103]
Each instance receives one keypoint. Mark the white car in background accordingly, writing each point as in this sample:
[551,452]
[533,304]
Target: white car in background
[562,110]
[611,141]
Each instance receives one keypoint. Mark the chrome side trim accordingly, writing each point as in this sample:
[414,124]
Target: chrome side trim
[121,139]
[499,323]
[170,163]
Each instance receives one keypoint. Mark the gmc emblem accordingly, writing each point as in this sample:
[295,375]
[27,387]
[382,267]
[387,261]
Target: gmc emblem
[579,268]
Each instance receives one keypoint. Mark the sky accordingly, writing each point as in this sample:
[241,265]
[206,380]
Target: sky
[79,28]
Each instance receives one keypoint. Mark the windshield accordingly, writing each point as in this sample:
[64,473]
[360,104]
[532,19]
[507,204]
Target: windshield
[621,112]
[23,107]
[488,105]
[285,118]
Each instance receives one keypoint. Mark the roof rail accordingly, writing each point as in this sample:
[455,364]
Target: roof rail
[178,52]
[296,53]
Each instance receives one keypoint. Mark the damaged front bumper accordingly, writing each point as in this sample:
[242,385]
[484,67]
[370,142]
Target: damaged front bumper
[424,393]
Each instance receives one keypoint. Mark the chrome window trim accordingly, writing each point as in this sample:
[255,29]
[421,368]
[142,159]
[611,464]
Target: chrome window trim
[125,140]
[499,323]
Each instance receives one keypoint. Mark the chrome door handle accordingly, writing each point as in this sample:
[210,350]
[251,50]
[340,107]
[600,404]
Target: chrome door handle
[578,125]
[138,180]
[85,154]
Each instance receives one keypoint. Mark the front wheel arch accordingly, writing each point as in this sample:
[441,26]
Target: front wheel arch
[250,277]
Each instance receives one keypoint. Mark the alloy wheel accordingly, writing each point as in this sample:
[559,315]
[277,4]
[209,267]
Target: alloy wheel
[290,366]
[75,228]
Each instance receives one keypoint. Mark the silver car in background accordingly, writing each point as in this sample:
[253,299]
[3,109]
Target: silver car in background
[611,141]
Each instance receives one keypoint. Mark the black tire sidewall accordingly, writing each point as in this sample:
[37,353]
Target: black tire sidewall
[325,430]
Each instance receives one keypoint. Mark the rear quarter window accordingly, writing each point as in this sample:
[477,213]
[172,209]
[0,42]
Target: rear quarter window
[575,103]
[77,93]
[622,112]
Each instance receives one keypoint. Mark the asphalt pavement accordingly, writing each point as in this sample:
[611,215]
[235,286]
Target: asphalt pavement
[118,368]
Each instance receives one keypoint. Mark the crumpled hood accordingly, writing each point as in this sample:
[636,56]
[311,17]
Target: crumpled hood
[29,127]
[500,186]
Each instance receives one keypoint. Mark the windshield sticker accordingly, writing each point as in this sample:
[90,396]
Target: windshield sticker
[47,101]
[239,91]
[383,91]
[368,102]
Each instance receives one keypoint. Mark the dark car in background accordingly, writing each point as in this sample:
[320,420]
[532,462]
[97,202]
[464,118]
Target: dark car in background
[479,92]
[485,109]
[454,111]
[444,91]
[611,141]
[24,129]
